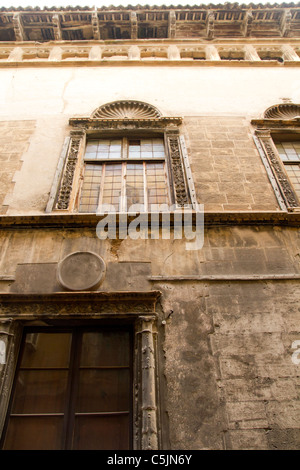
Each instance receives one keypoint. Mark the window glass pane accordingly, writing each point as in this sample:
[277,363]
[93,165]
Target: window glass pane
[112,185]
[40,391]
[289,151]
[135,184]
[103,390]
[34,433]
[102,433]
[46,350]
[293,172]
[156,184]
[105,348]
[103,149]
[90,188]
[152,148]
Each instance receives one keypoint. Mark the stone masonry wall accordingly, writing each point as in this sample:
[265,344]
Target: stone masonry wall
[227,169]
[229,379]
[14,142]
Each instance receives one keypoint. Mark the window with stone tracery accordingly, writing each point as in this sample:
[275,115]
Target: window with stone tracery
[122,172]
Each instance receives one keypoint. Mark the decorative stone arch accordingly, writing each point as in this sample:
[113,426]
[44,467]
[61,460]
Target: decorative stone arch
[283,111]
[121,116]
[126,109]
[278,120]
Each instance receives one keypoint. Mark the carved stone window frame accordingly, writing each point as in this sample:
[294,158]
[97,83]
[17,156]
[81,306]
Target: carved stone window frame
[92,308]
[119,118]
[279,120]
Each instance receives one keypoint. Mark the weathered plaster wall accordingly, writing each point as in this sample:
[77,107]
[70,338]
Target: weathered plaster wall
[14,142]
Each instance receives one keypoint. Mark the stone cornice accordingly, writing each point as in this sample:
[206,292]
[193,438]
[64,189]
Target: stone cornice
[276,123]
[68,305]
[240,52]
[70,221]
[94,124]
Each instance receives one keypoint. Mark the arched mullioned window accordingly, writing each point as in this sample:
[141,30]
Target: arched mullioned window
[126,153]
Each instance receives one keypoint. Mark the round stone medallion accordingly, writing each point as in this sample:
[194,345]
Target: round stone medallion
[81,270]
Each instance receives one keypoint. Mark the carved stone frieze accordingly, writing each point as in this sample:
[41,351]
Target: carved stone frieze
[77,304]
[180,189]
[64,194]
[94,124]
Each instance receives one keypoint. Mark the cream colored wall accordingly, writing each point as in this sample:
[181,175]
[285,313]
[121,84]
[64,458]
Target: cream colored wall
[52,95]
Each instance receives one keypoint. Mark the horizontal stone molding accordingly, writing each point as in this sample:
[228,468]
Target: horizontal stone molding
[277,52]
[228,278]
[64,220]
[68,305]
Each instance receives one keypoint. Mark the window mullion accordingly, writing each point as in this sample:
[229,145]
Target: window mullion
[100,199]
[69,414]
[123,198]
[146,208]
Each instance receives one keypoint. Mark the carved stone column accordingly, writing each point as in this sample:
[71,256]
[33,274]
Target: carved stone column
[10,338]
[251,53]
[289,53]
[134,53]
[16,54]
[212,53]
[173,53]
[95,53]
[66,186]
[146,436]
[55,54]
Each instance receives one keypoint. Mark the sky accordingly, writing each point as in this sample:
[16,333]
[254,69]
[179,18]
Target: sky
[100,3]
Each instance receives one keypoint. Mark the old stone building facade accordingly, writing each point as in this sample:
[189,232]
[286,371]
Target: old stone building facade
[121,132]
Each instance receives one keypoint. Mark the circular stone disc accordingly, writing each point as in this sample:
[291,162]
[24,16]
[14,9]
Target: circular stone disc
[81,270]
